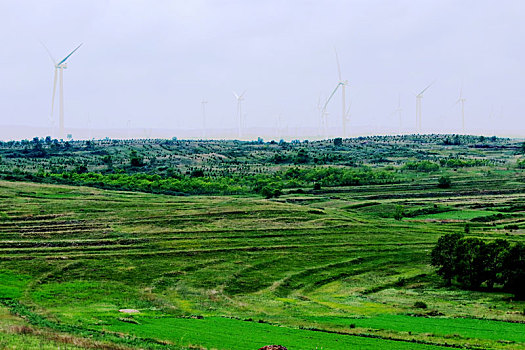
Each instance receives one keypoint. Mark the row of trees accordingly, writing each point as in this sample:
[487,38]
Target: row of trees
[427,166]
[472,263]
[196,181]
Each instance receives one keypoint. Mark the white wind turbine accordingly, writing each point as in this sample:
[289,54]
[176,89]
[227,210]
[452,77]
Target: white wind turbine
[418,106]
[462,100]
[279,125]
[203,102]
[59,70]
[344,112]
[398,111]
[239,99]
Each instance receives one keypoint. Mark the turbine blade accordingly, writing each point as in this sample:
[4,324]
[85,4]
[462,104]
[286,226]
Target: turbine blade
[49,53]
[347,114]
[425,89]
[235,94]
[331,95]
[243,93]
[338,65]
[72,52]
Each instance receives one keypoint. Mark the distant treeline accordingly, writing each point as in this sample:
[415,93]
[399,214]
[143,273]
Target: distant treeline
[172,182]
[429,166]
[472,262]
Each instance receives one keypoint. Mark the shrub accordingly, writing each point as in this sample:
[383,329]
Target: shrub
[420,305]
[399,212]
[270,192]
[444,182]
[423,166]
[135,160]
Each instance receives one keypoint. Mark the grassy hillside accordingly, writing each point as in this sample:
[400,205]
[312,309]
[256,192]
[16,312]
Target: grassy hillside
[329,268]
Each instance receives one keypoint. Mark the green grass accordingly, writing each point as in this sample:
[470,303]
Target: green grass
[222,333]
[74,256]
[12,284]
[457,215]
[440,326]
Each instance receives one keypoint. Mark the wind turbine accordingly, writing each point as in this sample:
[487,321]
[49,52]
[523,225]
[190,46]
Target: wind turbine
[418,106]
[462,100]
[279,125]
[239,98]
[398,111]
[341,83]
[59,70]
[204,118]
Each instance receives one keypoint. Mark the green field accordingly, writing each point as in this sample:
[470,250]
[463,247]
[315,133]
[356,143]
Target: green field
[310,269]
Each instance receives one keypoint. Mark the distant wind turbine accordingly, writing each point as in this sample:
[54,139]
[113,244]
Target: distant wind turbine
[203,102]
[59,69]
[279,125]
[239,98]
[418,106]
[398,111]
[341,83]
[462,100]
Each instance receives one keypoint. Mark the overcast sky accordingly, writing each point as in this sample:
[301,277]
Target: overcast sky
[152,62]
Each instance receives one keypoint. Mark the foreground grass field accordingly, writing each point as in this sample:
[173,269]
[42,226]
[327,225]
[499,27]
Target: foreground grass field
[327,269]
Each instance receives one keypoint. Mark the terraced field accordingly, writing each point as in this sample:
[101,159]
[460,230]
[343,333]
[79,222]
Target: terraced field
[322,269]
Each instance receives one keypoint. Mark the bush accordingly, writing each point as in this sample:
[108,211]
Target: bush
[423,166]
[270,192]
[399,212]
[444,182]
[135,160]
[197,173]
[420,305]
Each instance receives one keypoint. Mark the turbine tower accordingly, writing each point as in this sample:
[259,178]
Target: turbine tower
[462,100]
[239,98]
[204,118]
[59,72]
[343,84]
[418,106]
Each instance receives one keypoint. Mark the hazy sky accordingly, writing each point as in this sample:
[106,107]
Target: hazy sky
[152,62]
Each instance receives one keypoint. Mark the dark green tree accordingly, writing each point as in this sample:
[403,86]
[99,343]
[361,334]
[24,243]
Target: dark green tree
[302,157]
[495,261]
[514,270]
[443,255]
[135,159]
[470,262]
